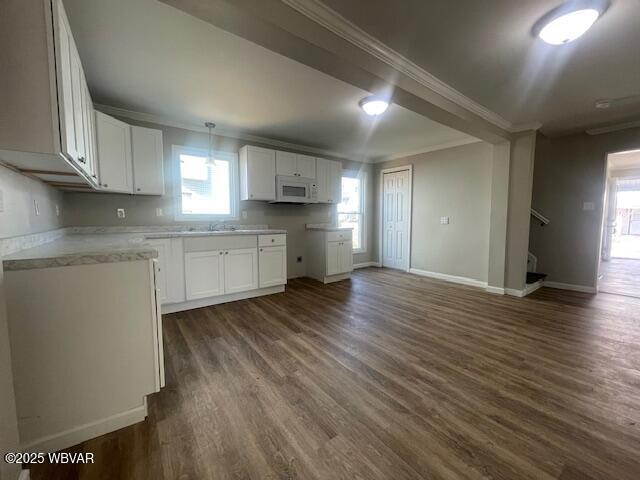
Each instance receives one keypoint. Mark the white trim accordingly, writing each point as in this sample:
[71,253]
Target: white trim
[514,292]
[232,297]
[24,474]
[612,128]
[73,436]
[221,131]
[360,175]
[529,288]
[334,22]
[356,266]
[431,148]
[569,286]
[234,192]
[381,209]
[472,282]
[496,290]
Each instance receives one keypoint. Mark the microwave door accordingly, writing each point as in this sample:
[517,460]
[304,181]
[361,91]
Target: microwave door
[297,192]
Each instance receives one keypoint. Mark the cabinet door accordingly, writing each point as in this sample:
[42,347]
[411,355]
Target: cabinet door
[147,157]
[260,174]
[333,258]
[272,266]
[91,136]
[114,154]
[78,109]
[345,255]
[306,166]
[65,86]
[286,164]
[334,182]
[87,113]
[322,174]
[204,274]
[240,270]
[163,246]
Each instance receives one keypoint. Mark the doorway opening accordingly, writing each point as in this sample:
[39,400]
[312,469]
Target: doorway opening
[619,269]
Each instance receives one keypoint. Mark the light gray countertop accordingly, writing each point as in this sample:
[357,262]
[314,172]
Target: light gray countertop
[87,249]
[322,227]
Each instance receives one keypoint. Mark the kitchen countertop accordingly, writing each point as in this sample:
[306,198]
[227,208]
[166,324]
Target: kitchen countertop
[88,249]
[321,227]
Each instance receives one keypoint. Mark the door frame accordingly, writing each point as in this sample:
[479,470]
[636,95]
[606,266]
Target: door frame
[408,167]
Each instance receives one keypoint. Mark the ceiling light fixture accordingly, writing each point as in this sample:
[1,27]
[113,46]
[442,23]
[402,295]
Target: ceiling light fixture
[569,21]
[374,105]
[210,126]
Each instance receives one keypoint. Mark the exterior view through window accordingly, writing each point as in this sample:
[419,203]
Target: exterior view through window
[351,209]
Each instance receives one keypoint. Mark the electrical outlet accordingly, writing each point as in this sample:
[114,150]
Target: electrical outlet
[444,220]
[120,213]
[299,259]
[36,207]
[588,206]
[159,212]
[57,210]
[244,214]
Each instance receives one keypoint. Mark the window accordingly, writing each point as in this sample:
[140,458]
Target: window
[207,191]
[351,209]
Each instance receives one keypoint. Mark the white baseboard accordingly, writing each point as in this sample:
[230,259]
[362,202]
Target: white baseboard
[232,297]
[570,286]
[449,278]
[514,292]
[24,475]
[496,290]
[529,288]
[365,265]
[73,436]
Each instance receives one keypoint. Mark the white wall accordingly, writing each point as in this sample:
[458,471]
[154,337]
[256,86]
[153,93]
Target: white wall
[18,218]
[455,182]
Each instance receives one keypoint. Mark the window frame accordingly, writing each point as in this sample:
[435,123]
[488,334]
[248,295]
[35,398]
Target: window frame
[234,191]
[362,177]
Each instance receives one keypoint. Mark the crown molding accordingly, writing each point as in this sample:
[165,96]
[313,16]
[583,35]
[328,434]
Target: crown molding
[613,128]
[172,122]
[334,22]
[431,148]
[525,127]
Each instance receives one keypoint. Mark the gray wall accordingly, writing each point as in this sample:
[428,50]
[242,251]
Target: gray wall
[87,209]
[455,182]
[568,171]
[18,218]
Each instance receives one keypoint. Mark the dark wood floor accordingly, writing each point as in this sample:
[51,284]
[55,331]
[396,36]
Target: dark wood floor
[389,376]
[620,276]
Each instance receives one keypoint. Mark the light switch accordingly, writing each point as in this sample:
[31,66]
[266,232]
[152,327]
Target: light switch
[159,212]
[57,210]
[36,207]
[120,213]
[444,220]
[588,206]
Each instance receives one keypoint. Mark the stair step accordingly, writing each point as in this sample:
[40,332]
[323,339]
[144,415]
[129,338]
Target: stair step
[533,277]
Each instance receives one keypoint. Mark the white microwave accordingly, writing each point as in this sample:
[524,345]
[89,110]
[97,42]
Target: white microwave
[295,190]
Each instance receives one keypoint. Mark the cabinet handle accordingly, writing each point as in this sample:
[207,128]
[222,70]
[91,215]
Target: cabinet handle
[138,189]
[82,159]
[250,196]
[105,185]
[260,249]
[273,240]
[221,253]
[226,253]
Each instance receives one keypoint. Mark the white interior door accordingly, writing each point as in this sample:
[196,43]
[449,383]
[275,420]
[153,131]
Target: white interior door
[396,217]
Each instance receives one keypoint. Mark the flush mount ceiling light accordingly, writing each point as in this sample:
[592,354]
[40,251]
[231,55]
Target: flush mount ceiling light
[374,105]
[569,21]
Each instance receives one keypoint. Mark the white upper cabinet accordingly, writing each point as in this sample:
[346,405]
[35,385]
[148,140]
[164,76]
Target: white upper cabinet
[295,165]
[305,166]
[114,154]
[46,112]
[147,154]
[257,173]
[286,164]
[329,180]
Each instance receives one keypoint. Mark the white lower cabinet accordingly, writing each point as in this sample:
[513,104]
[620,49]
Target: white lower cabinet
[240,270]
[272,266]
[169,270]
[330,254]
[204,274]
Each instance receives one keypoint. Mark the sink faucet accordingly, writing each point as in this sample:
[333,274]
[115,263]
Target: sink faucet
[211,227]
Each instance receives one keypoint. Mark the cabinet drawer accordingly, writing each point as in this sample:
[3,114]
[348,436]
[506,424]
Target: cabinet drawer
[272,240]
[338,236]
[222,242]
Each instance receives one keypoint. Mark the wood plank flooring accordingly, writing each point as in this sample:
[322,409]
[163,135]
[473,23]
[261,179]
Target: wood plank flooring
[389,376]
[621,276]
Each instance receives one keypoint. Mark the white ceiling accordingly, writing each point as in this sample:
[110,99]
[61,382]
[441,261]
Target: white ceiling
[485,50]
[624,160]
[145,56]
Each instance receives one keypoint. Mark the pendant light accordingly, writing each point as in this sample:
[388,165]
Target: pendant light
[210,159]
